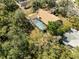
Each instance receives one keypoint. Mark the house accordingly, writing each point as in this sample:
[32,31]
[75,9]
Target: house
[46,16]
[71,38]
[43,18]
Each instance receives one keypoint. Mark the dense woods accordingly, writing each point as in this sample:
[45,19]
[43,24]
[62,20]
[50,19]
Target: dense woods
[15,42]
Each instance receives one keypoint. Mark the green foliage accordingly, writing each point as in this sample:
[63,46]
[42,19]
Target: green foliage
[52,50]
[77,1]
[63,29]
[53,26]
[59,28]
[75,53]
[43,4]
[38,4]
[51,3]
[13,39]
[10,5]
[63,7]
[35,6]
[75,22]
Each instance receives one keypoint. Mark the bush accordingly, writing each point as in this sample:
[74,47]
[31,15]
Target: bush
[39,4]
[61,30]
[51,3]
[35,6]
[58,27]
[10,5]
[75,22]
[53,26]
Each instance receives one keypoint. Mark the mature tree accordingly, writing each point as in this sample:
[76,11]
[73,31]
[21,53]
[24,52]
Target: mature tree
[39,4]
[10,4]
[51,3]
[13,40]
[44,4]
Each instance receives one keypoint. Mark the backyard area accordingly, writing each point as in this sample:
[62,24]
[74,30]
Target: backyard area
[39,29]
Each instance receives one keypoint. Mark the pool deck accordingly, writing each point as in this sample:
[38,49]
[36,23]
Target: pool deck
[44,15]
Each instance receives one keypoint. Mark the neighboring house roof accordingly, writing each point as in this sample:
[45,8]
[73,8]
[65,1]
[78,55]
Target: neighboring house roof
[72,38]
[45,16]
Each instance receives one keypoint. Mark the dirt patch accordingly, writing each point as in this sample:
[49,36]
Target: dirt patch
[39,37]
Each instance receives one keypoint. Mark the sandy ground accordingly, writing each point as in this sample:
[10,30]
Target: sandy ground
[40,37]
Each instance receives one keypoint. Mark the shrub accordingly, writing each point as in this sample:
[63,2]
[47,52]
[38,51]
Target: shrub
[53,26]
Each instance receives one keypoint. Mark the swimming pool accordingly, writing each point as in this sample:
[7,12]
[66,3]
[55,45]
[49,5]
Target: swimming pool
[39,24]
